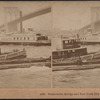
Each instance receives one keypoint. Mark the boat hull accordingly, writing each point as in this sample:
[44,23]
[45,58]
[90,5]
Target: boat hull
[89,43]
[13,55]
[83,67]
[92,58]
[27,43]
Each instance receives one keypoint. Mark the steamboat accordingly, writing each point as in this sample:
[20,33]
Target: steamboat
[25,39]
[73,55]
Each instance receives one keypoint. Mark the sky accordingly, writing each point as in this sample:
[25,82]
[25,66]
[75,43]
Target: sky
[72,15]
[65,15]
[41,22]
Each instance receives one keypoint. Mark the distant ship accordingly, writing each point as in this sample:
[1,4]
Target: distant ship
[25,39]
[90,35]
[90,39]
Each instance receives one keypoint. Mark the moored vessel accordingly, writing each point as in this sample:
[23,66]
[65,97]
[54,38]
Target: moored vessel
[16,54]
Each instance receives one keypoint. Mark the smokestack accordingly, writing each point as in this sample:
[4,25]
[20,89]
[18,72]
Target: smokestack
[21,27]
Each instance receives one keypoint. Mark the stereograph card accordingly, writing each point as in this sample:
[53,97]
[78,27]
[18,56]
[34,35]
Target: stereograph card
[49,49]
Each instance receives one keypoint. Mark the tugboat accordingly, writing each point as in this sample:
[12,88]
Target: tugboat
[70,43]
[71,55]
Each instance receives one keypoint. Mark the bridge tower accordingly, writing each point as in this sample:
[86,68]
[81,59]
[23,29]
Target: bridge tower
[95,17]
[10,14]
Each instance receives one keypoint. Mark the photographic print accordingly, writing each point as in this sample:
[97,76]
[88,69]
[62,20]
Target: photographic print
[76,44]
[49,49]
[25,45]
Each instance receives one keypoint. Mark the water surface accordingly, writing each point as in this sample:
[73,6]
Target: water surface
[33,77]
[78,78]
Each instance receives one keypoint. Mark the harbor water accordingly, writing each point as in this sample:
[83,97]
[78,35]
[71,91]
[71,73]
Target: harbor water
[77,79]
[32,77]
[89,78]
[32,51]
[40,76]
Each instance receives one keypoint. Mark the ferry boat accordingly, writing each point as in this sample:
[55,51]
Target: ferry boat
[90,39]
[90,35]
[25,39]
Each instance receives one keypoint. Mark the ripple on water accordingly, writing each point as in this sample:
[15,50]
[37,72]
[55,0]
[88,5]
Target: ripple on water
[77,78]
